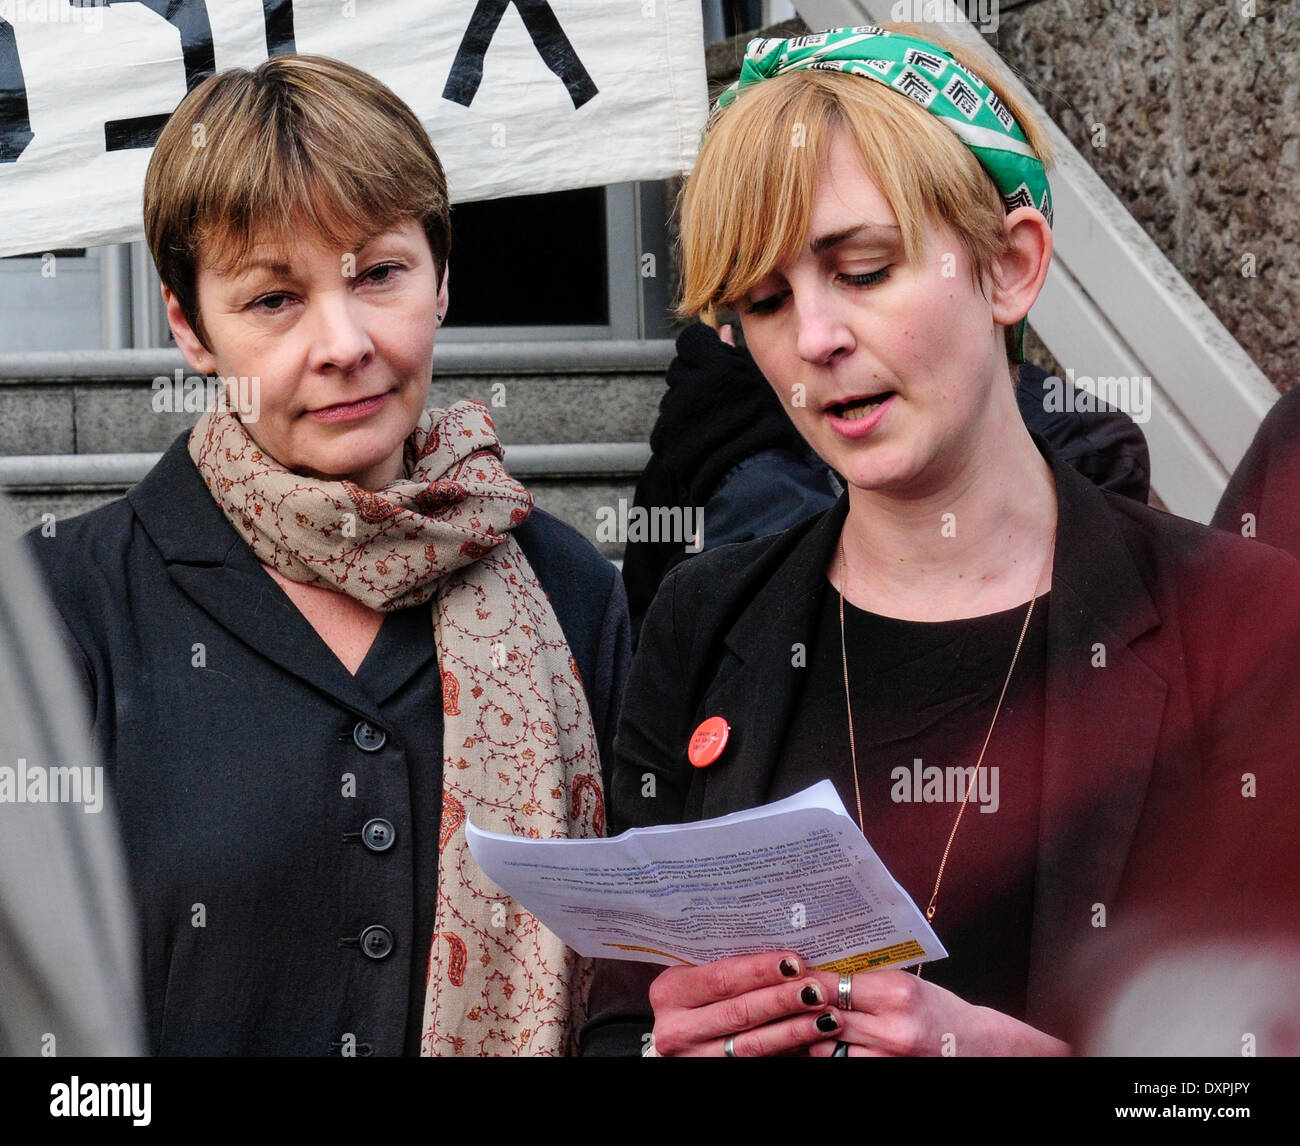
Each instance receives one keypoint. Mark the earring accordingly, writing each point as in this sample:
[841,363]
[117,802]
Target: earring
[438,317]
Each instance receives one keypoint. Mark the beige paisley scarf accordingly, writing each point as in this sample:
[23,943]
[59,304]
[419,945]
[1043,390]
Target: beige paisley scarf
[519,748]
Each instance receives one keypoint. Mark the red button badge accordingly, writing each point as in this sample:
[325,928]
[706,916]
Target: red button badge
[708,741]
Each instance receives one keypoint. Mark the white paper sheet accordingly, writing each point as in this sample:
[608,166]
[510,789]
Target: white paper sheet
[794,875]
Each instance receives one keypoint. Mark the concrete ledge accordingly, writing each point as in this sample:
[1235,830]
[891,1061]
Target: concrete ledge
[556,461]
[451,357]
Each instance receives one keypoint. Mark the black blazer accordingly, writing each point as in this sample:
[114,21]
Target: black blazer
[1143,758]
[230,731]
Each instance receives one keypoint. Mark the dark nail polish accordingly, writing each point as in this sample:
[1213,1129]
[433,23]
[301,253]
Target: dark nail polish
[810,996]
[827,1023]
[789,968]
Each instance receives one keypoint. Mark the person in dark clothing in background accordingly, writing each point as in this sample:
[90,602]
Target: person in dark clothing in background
[1263,498]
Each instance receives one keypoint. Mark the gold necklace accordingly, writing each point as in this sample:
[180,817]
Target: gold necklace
[853,751]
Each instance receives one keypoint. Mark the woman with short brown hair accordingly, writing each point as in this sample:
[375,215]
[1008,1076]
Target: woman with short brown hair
[329,628]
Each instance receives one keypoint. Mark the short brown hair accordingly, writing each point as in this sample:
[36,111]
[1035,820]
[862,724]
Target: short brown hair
[745,208]
[299,141]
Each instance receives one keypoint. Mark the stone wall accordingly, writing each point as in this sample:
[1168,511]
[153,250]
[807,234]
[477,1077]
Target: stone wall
[1188,111]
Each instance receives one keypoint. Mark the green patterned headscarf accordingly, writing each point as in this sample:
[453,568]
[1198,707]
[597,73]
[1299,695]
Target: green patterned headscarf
[927,74]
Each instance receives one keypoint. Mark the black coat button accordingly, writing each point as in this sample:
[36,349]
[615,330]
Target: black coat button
[378,835]
[368,738]
[376,941]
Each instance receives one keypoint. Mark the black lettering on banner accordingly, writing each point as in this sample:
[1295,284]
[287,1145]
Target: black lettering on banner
[547,36]
[190,18]
[277,15]
[15,121]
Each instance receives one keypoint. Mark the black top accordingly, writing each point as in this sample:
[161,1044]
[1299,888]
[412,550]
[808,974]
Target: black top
[924,694]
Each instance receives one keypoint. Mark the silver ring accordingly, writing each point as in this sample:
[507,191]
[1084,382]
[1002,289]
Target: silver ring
[729,1047]
[846,992]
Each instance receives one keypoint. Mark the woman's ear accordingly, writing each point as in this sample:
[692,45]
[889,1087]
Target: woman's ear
[196,354]
[442,294]
[1018,275]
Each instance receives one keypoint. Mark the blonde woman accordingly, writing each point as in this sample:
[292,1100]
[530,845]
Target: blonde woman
[876,208]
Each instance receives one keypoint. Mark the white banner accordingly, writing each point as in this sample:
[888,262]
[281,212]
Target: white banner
[518,96]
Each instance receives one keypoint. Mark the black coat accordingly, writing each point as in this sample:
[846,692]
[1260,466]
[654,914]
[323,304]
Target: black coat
[232,733]
[1143,759]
